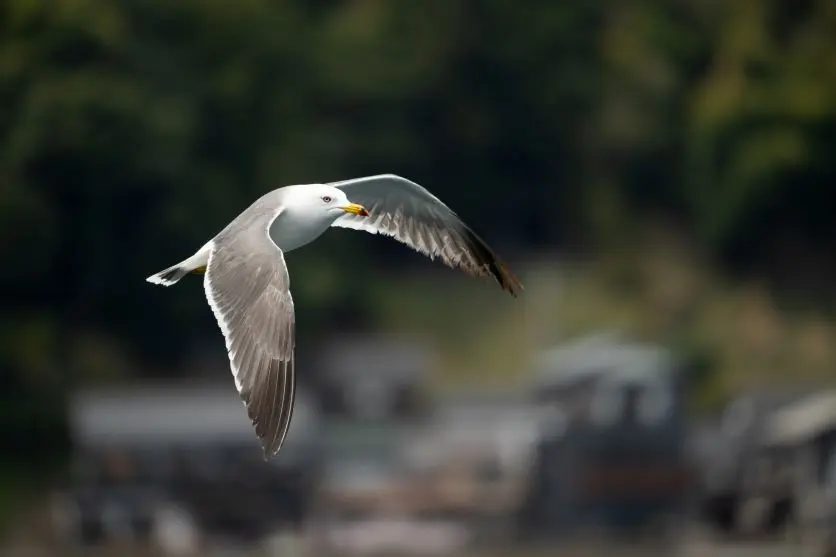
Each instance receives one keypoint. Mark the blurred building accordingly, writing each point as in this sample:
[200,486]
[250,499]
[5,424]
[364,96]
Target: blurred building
[789,481]
[611,454]
[175,465]
[371,377]
[728,453]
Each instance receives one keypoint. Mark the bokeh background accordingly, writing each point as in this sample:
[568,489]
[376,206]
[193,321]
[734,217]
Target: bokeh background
[661,169]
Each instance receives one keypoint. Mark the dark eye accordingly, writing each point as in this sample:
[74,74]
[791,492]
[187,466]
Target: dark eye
[326,199]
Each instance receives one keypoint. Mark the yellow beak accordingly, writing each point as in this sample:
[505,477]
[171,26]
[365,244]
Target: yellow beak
[355,209]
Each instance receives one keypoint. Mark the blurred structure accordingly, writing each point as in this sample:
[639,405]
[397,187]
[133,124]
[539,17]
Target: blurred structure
[728,458]
[174,466]
[595,448]
[794,474]
[368,378]
[371,390]
[611,456]
[448,480]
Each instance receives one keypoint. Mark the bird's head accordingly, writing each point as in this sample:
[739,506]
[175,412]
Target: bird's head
[325,201]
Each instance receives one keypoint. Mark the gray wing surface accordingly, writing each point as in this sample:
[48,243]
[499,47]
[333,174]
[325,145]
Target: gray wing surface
[412,215]
[248,288]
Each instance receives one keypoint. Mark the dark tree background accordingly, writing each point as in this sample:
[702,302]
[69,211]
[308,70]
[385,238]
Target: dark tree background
[131,131]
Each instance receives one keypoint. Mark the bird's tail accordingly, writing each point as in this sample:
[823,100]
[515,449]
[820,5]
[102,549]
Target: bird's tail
[194,264]
[170,276]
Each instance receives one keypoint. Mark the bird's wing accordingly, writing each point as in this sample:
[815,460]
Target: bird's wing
[409,213]
[247,286]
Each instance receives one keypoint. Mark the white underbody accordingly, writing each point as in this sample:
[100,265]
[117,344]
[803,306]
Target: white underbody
[290,231]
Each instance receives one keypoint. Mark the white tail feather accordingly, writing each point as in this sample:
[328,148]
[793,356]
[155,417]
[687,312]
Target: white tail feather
[168,276]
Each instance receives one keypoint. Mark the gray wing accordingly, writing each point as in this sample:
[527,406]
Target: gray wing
[247,286]
[412,215]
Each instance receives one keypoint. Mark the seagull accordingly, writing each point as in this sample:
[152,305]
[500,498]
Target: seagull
[247,285]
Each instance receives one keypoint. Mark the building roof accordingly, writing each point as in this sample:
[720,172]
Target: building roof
[164,413]
[595,355]
[802,420]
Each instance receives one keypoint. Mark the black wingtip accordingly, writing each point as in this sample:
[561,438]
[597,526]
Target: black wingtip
[505,278]
[495,266]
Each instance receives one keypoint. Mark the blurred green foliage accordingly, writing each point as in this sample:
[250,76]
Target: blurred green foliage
[132,131]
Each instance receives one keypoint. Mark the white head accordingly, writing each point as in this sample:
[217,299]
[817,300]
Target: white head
[308,210]
[323,203]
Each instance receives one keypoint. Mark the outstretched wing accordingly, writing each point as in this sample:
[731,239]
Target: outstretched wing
[412,215]
[247,286]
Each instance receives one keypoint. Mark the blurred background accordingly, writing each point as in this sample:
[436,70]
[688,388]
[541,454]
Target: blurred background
[658,173]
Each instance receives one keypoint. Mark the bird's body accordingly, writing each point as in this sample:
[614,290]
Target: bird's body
[248,287]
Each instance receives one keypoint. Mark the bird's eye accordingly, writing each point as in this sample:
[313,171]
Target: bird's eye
[326,198]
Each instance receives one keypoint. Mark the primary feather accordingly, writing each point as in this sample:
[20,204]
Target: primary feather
[412,215]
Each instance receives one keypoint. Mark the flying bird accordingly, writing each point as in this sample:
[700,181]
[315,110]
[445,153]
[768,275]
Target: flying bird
[247,285]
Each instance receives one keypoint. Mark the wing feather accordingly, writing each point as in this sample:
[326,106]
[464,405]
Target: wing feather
[247,287]
[412,215]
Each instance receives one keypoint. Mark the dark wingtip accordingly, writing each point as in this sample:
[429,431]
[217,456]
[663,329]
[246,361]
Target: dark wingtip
[505,277]
[495,266]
